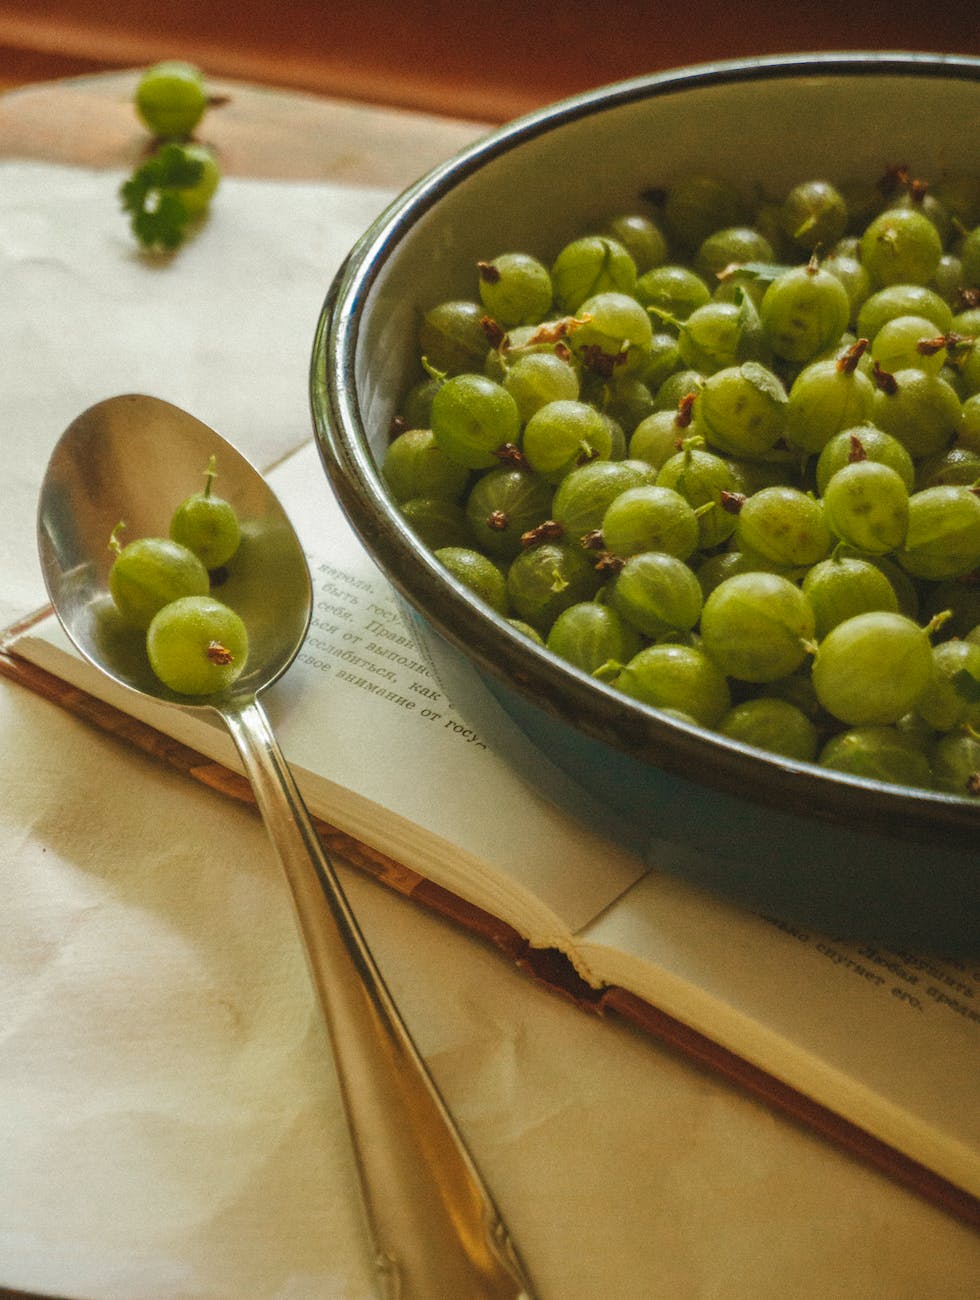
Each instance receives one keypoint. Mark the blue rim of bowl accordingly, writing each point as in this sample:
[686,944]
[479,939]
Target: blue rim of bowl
[591,707]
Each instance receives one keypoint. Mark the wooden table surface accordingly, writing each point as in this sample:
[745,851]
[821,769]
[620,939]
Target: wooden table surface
[90,121]
[456,57]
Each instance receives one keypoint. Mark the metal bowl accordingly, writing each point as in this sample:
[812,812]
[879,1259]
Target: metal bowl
[855,858]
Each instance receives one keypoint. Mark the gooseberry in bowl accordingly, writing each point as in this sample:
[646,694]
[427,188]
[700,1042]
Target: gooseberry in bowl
[713,747]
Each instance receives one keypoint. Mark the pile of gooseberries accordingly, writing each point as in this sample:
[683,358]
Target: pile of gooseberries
[163,587]
[724,455]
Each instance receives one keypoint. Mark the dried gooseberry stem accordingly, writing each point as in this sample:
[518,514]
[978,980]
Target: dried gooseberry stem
[210,474]
[495,334]
[685,411]
[929,347]
[885,380]
[554,331]
[847,363]
[609,563]
[603,363]
[218,653]
[732,502]
[550,530]
[856,450]
[508,453]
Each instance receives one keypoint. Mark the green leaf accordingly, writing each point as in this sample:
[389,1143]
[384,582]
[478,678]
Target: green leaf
[151,195]
[765,272]
[176,169]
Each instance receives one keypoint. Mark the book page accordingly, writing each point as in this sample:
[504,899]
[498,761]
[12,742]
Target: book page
[431,771]
[889,1038]
[379,750]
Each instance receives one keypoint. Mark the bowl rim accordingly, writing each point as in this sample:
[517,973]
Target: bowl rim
[591,707]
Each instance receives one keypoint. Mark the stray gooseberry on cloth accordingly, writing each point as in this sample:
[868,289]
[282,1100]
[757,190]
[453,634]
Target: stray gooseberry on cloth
[172,188]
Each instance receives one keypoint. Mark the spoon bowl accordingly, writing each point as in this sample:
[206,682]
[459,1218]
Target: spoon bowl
[134,459]
[433,1224]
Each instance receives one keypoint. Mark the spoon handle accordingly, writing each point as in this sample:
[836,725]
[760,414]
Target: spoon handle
[435,1228]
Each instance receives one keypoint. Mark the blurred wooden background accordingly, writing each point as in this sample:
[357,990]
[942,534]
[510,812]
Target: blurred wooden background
[487,60]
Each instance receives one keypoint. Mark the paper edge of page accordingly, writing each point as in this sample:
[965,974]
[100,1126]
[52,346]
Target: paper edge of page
[778,1056]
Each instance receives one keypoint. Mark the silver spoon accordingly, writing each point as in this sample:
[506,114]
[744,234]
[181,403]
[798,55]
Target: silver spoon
[435,1230]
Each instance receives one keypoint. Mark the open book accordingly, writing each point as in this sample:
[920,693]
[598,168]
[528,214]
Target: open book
[878,1050]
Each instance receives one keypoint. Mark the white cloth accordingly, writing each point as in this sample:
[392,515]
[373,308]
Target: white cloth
[169,1122]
